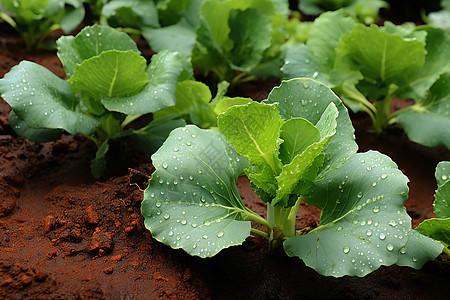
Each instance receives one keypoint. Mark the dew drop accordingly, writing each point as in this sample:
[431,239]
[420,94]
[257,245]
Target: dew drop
[389,247]
[376,209]
[164,165]
[171,233]
[204,236]
[392,223]
[346,249]
[380,260]
[383,176]
[444,177]
[158,204]
[183,222]
[206,223]
[88,34]
[360,194]
[382,236]
[414,259]
[402,250]
[220,234]
[176,149]
[194,225]
[166,216]
[369,232]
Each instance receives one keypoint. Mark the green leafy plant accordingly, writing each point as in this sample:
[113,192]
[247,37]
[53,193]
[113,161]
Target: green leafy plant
[109,86]
[298,144]
[439,228]
[369,66]
[365,10]
[36,19]
[233,39]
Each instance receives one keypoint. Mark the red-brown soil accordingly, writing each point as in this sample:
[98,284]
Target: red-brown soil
[65,235]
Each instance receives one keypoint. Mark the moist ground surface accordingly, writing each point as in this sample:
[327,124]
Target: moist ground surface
[65,235]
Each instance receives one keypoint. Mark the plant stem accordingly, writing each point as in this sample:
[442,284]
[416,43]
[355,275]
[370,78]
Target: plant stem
[252,216]
[129,119]
[446,251]
[383,107]
[261,233]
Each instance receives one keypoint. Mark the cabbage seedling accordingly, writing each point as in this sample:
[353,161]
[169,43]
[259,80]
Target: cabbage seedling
[109,86]
[298,144]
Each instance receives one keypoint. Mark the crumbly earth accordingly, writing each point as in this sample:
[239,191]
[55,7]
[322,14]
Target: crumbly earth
[65,235]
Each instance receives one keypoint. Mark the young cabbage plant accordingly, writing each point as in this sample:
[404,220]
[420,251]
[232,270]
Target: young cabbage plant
[109,86]
[36,19]
[439,228]
[380,63]
[235,40]
[298,144]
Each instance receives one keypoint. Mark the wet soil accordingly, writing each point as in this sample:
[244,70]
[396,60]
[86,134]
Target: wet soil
[65,235]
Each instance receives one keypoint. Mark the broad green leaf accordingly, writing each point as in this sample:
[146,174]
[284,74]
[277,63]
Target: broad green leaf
[325,35]
[309,99]
[437,229]
[187,93]
[250,31]
[442,173]
[418,250]
[442,199]
[192,201]
[254,130]
[151,137]
[90,42]
[304,159]
[72,18]
[178,37]
[301,62]
[43,100]
[436,63]
[264,178]
[164,72]
[363,225]
[317,58]
[131,13]
[297,134]
[227,102]
[112,73]
[383,59]
[428,121]
[36,135]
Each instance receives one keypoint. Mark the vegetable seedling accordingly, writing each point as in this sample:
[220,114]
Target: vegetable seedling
[369,66]
[235,40]
[298,144]
[109,86]
[36,19]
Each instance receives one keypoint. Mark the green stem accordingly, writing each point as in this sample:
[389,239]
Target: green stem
[129,119]
[242,77]
[8,19]
[292,217]
[383,107]
[261,233]
[252,216]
